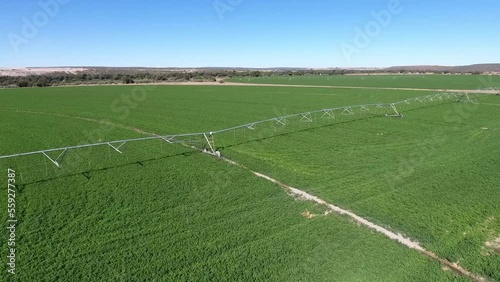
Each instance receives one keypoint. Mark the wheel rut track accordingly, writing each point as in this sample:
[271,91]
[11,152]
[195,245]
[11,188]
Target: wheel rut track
[102,121]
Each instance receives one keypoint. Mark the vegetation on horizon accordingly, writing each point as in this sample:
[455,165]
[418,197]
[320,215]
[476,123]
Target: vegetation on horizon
[101,76]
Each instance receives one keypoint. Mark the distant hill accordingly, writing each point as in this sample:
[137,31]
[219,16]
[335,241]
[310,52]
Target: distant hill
[478,68]
[482,68]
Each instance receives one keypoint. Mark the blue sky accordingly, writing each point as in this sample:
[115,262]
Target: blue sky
[248,33]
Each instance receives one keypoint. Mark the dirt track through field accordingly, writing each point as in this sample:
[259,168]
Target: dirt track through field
[475,91]
[300,194]
[489,104]
[478,91]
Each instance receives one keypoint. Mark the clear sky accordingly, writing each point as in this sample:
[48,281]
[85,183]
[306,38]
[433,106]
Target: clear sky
[248,33]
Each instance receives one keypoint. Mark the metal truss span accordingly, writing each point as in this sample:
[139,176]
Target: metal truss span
[331,113]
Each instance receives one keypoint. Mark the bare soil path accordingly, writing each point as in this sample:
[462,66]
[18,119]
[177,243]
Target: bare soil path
[363,87]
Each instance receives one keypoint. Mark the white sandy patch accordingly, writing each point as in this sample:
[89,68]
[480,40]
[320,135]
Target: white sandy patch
[37,71]
[303,195]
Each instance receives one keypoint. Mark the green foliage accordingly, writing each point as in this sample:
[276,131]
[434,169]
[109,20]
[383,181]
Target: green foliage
[432,175]
[166,212]
[128,80]
[180,215]
[23,83]
[120,76]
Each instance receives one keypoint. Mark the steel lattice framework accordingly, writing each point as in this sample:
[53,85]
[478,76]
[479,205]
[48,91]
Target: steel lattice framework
[209,137]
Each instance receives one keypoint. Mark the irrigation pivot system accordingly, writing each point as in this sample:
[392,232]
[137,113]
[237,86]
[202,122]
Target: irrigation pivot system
[208,138]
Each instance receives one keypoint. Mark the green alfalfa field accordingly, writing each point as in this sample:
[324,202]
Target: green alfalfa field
[167,212]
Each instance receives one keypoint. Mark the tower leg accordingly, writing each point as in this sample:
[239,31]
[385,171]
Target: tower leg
[211,142]
[396,112]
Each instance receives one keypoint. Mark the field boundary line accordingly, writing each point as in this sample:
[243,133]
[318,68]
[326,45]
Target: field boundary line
[364,87]
[401,239]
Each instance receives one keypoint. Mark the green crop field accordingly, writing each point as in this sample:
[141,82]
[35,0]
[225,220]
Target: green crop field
[432,175]
[395,81]
[166,212]
[184,216]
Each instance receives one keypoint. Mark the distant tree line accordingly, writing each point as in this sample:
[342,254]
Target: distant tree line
[104,76]
[130,76]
